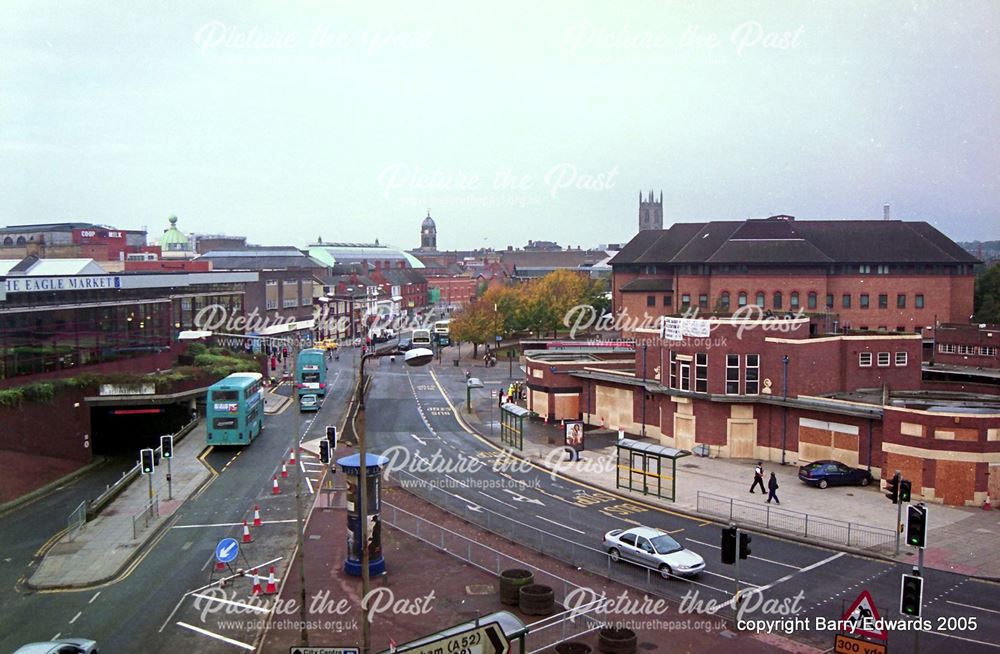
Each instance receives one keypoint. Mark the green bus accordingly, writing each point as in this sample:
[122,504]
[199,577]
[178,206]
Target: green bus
[234,409]
[310,372]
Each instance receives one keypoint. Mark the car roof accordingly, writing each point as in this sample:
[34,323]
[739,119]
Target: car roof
[53,645]
[648,532]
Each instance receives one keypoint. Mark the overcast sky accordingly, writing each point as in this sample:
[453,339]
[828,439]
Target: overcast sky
[510,121]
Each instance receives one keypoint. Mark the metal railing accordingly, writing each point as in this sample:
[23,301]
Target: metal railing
[830,530]
[77,519]
[149,513]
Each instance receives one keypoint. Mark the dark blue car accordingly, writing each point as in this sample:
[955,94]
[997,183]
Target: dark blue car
[833,473]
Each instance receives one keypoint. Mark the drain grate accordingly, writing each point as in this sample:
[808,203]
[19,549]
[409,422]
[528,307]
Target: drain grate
[480,589]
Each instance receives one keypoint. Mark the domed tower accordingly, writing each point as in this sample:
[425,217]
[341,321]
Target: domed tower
[428,233]
[174,244]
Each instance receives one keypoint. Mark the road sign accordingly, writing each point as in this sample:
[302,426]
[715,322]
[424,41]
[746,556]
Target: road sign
[863,617]
[484,639]
[323,650]
[226,550]
[499,338]
[850,645]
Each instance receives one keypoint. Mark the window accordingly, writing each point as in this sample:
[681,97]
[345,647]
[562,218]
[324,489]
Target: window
[793,300]
[650,300]
[8,241]
[865,359]
[724,301]
[901,301]
[966,349]
[732,374]
[703,301]
[947,349]
[864,269]
[701,372]
[883,301]
[271,282]
[988,350]
[684,375]
[883,359]
[863,301]
[742,299]
[845,301]
[777,300]
[918,301]
[883,270]
[760,299]
[649,269]
[752,374]
[685,300]
[673,369]
[668,300]
[811,300]
[272,304]
[829,301]
[900,358]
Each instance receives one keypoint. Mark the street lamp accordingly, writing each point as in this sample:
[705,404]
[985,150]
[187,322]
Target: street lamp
[784,399]
[416,357]
[644,346]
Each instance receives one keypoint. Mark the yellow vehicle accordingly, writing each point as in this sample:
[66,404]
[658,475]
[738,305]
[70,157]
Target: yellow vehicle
[328,344]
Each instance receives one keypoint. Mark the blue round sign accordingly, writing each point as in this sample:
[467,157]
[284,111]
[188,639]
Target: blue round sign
[226,550]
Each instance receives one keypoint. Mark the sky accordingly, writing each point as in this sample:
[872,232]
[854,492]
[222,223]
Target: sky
[288,121]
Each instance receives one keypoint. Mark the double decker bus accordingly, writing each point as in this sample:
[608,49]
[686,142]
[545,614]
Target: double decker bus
[234,409]
[442,332]
[310,372]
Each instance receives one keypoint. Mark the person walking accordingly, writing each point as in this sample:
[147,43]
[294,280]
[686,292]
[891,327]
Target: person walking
[758,477]
[772,487]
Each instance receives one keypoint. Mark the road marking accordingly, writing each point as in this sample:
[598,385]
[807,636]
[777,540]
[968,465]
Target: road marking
[228,524]
[260,609]
[742,583]
[973,606]
[309,483]
[94,597]
[968,640]
[56,637]
[823,562]
[521,498]
[759,558]
[457,481]
[559,524]
[78,614]
[206,632]
[315,464]
[418,439]
[496,500]
[186,546]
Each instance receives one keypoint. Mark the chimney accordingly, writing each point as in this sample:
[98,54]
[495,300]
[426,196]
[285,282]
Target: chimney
[885,212]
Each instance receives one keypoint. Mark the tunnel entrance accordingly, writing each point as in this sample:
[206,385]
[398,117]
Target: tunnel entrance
[126,429]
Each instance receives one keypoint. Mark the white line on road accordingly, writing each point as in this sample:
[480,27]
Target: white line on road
[782,580]
[418,439]
[496,500]
[94,597]
[75,617]
[309,483]
[229,524]
[210,634]
[823,562]
[716,574]
[968,640]
[56,637]
[973,606]
[260,609]
[457,481]
[758,558]
[315,464]
[559,524]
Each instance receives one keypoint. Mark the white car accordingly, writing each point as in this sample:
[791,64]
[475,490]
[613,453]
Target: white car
[63,646]
[653,548]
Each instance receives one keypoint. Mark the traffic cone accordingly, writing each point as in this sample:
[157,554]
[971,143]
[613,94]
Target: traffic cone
[602,422]
[291,460]
[545,418]
[247,538]
[274,489]
[284,471]
[562,423]
[256,590]
[256,515]
[219,565]
[272,585]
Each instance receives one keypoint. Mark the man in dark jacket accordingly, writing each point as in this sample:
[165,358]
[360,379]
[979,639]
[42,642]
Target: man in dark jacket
[758,477]
[772,487]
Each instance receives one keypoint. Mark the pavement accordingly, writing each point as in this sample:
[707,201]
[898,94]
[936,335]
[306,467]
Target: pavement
[961,539]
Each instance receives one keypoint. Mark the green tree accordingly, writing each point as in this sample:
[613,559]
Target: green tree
[988,295]
[475,323]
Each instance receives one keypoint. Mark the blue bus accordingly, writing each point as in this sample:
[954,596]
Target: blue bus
[234,409]
[310,372]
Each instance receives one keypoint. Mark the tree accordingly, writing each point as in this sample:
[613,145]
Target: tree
[476,323]
[988,295]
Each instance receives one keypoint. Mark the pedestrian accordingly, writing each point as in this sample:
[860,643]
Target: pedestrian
[772,487]
[758,477]
[500,401]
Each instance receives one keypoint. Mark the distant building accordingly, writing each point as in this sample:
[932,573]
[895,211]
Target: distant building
[428,233]
[207,242]
[650,212]
[542,246]
[175,244]
[73,241]
[374,255]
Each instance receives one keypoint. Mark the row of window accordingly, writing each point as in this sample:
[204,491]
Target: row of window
[724,302]
[746,377]
[882,359]
[842,269]
[972,350]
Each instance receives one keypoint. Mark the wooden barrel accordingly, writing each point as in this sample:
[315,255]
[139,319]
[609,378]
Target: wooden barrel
[573,647]
[617,641]
[511,582]
[537,599]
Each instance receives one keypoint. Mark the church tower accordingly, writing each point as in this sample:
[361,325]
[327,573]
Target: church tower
[650,212]
[428,233]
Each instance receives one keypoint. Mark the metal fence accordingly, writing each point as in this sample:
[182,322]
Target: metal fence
[838,532]
[142,519]
[77,519]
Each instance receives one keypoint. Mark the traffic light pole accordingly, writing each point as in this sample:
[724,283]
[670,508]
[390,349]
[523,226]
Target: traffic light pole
[170,488]
[736,597]
[899,516]
[920,572]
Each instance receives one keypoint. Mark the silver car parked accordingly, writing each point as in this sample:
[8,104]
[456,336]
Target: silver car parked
[653,548]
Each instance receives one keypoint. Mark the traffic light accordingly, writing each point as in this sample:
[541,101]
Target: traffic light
[911,593]
[146,461]
[893,488]
[324,451]
[167,446]
[729,545]
[904,491]
[916,525]
[744,545]
[331,435]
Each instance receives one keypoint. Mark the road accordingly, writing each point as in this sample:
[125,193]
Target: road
[146,609]
[411,420]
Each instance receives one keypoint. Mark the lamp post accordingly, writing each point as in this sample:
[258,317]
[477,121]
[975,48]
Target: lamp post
[644,346]
[415,357]
[784,399]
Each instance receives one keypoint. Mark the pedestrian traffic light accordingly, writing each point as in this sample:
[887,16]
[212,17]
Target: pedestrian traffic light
[916,525]
[744,545]
[324,451]
[729,545]
[904,491]
[146,461]
[167,446]
[893,488]
[911,593]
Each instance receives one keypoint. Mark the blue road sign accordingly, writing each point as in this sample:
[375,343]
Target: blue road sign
[499,338]
[226,550]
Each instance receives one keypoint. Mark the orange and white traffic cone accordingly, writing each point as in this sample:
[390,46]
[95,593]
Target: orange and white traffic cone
[272,586]
[274,489]
[602,422]
[256,516]
[291,459]
[256,589]
[247,538]
[284,471]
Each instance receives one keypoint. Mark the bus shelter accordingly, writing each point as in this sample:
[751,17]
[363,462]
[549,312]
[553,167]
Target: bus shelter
[512,424]
[648,468]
